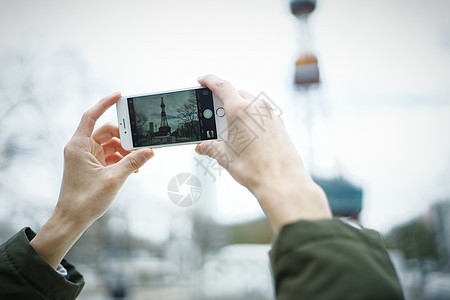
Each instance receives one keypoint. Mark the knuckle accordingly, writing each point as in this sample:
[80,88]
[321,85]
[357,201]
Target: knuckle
[110,126]
[241,110]
[280,121]
[69,148]
[206,148]
[209,150]
[86,115]
[208,76]
[242,106]
[133,164]
[222,84]
[267,105]
[245,94]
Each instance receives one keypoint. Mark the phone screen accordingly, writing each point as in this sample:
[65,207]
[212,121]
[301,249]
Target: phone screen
[172,118]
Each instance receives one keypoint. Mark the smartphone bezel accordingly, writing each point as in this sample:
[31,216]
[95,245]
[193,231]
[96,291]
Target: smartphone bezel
[124,123]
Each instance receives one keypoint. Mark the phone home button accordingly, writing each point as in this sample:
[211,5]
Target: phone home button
[220,112]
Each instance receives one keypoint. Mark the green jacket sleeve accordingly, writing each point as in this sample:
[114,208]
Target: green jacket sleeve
[329,259]
[25,275]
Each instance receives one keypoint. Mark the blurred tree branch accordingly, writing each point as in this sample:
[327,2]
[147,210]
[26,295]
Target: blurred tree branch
[30,149]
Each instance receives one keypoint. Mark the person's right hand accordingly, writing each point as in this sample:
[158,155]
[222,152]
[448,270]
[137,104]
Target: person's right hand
[259,154]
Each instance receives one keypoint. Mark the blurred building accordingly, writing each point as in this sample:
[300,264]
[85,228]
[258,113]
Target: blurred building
[439,216]
[422,254]
[238,272]
[345,198]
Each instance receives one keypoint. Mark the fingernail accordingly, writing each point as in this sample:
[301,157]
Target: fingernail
[116,93]
[198,149]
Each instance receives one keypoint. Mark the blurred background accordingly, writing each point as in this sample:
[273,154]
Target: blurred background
[363,88]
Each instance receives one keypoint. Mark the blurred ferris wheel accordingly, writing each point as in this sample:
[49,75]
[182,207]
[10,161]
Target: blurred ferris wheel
[344,197]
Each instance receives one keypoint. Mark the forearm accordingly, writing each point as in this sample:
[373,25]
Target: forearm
[56,238]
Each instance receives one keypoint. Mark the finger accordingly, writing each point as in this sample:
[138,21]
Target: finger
[133,161]
[114,146]
[266,104]
[210,148]
[113,158]
[246,95]
[91,116]
[222,88]
[105,133]
[214,149]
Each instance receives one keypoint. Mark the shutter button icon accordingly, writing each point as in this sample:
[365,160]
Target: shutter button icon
[207,113]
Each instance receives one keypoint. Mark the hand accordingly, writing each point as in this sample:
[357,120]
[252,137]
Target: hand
[95,167]
[259,155]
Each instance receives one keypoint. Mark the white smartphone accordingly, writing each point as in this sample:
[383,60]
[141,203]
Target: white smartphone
[177,117]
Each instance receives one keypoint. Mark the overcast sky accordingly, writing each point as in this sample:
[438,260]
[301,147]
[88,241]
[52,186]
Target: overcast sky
[381,115]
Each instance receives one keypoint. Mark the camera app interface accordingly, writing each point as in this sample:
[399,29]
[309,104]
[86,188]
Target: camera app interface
[172,118]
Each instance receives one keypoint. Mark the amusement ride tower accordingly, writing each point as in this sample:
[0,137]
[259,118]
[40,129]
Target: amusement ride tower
[345,198]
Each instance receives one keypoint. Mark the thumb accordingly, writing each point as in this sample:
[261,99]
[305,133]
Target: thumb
[215,149]
[133,161]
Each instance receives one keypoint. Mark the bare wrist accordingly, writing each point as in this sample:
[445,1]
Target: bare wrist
[292,199]
[56,238]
